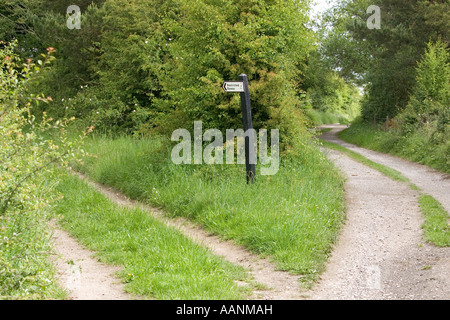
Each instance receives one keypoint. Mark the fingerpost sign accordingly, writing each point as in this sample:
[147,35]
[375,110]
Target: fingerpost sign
[241,86]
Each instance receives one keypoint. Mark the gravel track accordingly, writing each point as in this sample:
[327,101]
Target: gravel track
[381,253]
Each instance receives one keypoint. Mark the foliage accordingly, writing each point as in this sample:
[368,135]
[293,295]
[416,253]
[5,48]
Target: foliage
[421,132]
[26,158]
[142,66]
[217,41]
[384,60]
[429,103]
[328,93]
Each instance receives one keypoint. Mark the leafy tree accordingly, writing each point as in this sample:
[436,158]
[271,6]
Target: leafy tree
[41,24]
[217,41]
[327,91]
[430,98]
[385,59]
[140,66]
[131,51]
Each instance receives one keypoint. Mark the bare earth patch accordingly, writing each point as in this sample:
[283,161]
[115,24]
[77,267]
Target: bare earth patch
[81,274]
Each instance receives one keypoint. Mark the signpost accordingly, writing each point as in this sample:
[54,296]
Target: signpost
[242,87]
[233,86]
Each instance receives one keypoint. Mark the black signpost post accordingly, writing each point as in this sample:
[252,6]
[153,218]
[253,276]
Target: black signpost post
[241,86]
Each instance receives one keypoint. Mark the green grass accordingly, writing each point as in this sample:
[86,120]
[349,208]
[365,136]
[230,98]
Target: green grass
[437,221]
[415,146]
[293,217]
[158,261]
[436,225]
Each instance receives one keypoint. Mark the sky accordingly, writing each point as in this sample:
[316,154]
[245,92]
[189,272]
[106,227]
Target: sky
[321,5]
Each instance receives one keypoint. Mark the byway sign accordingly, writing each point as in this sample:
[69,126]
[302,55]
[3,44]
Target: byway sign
[242,87]
[233,86]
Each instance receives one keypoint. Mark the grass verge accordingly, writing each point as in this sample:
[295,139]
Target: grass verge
[293,217]
[416,146]
[158,261]
[436,226]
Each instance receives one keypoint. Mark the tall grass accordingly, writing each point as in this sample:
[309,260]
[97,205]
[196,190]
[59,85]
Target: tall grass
[293,217]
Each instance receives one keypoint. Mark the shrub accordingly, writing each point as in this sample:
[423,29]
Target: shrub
[27,155]
[429,101]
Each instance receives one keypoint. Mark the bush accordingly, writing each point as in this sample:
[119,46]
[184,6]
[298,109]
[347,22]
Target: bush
[27,155]
[428,106]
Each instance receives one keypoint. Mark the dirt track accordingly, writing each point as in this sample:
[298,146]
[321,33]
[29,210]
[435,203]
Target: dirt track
[97,281]
[380,253]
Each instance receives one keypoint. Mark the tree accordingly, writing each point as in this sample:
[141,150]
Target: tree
[385,59]
[327,91]
[218,40]
[430,98]
[37,25]
[142,66]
